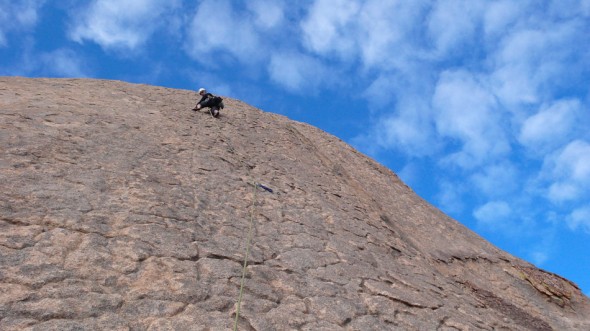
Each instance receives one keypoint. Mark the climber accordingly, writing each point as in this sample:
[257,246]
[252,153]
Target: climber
[209,100]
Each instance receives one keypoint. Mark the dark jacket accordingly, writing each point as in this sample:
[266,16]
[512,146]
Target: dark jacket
[209,100]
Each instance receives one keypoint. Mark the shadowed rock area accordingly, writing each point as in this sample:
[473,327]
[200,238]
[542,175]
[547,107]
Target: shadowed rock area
[121,209]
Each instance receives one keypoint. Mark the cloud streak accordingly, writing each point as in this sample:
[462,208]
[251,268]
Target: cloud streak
[121,25]
[569,172]
[580,218]
[552,126]
[295,71]
[217,27]
[17,16]
[63,63]
[467,112]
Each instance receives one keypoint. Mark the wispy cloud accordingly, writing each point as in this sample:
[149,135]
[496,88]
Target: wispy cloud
[569,172]
[329,29]
[267,14]
[580,218]
[502,15]
[122,25]
[17,16]
[216,28]
[296,71]
[494,215]
[466,111]
[410,130]
[453,24]
[63,63]
[390,35]
[497,179]
[222,31]
[552,126]
[530,60]
[367,31]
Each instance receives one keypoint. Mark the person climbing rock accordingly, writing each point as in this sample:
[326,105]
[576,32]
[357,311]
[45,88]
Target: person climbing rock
[214,103]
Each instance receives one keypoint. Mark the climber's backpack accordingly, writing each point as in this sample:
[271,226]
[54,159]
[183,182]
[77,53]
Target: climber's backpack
[218,101]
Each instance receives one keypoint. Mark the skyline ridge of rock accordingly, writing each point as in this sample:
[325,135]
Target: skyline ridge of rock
[123,210]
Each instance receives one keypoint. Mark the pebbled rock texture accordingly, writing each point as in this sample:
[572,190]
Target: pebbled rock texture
[122,209]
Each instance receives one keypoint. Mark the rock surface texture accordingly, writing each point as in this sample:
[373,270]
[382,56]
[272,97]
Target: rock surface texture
[121,209]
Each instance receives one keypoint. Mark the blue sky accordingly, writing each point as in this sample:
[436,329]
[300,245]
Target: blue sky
[481,106]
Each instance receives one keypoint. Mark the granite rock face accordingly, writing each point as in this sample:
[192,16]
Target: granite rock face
[121,209]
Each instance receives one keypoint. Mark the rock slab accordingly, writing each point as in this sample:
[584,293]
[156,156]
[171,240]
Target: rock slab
[121,209]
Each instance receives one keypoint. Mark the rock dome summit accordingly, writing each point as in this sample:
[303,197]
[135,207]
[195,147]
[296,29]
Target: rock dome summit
[121,209]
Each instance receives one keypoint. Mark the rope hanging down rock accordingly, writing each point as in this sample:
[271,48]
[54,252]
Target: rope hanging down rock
[239,303]
[255,186]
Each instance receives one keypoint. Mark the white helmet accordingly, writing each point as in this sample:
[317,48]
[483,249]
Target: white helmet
[202,90]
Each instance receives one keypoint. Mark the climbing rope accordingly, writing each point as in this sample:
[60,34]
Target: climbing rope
[255,186]
[250,234]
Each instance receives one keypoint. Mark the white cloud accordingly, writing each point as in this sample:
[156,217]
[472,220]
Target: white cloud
[404,130]
[63,63]
[268,14]
[394,87]
[568,171]
[563,191]
[514,86]
[329,26]
[551,126]
[580,218]
[227,32]
[467,112]
[514,74]
[567,9]
[531,60]
[574,162]
[381,92]
[296,71]
[497,180]
[494,214]
[121,24]
[387,34]
[382,34]
[454,23]
[18,16]
[410,129]
[501,15]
